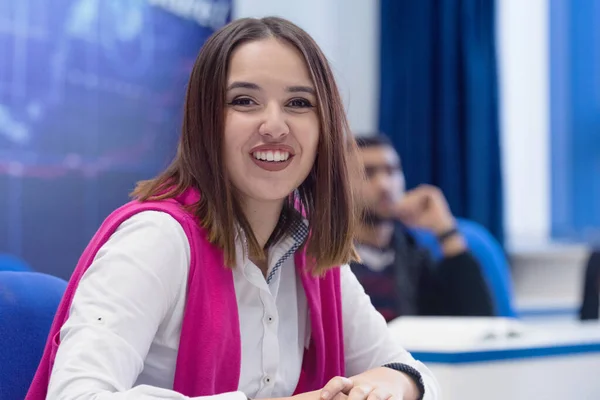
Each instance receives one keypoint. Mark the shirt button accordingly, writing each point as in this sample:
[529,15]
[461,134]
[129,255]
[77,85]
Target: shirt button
[267,380]
[270,319]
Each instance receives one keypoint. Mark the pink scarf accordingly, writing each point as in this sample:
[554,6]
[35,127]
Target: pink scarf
[212,364]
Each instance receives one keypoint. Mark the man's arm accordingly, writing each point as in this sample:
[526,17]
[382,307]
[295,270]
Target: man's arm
[463,287]
[465,291]
[455,286]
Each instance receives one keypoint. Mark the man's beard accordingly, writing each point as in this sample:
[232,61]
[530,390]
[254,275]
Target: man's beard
[371,218]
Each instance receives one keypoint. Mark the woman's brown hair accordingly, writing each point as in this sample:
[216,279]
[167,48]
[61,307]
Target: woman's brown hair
[326,195]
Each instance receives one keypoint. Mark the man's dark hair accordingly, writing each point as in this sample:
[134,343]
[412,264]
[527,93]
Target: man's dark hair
[365,141]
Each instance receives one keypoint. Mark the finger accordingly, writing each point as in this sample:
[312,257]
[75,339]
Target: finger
[336,385]
[428,189]
[340,396]
[433,194]
[379,394]
[415,200]
[410,209]
[360,392]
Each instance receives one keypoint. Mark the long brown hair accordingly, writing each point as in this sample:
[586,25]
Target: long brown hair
[326,195]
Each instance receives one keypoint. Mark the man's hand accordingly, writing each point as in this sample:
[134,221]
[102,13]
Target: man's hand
[425,207]
[376,384]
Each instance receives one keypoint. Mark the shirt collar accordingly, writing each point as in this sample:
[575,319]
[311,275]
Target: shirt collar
[281,251]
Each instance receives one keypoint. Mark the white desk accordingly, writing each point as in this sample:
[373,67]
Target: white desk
[498,359]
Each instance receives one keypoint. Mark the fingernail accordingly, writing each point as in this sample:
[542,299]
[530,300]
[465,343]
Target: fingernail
[325,395]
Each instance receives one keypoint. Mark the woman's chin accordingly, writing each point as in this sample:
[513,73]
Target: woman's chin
[272,197]
[269,190]
[272,194]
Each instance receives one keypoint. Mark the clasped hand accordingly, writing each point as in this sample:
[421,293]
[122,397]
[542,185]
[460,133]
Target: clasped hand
[377,384]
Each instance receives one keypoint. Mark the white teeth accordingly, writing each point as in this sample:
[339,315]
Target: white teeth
[274,156]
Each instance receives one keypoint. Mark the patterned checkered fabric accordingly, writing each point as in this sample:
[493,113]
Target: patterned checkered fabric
[299,232]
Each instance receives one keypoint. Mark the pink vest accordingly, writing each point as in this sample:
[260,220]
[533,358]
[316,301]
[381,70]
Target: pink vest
[209,357]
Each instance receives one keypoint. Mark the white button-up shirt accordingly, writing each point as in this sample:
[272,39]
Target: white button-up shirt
[122,335]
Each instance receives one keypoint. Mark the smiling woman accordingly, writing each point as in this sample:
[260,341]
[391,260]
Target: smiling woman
[277,89]
[227,275]
[270,111]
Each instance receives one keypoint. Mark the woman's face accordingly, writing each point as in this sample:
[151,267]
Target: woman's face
[271,120]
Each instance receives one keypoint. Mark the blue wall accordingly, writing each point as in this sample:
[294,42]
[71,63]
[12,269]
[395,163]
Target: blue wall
[91,95]
[575,119]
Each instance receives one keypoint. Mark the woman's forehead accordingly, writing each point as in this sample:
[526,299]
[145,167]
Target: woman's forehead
[269,60]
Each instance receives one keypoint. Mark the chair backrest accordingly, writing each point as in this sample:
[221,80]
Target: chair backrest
[590,302]
[489,253]
[8,262]
[28,302]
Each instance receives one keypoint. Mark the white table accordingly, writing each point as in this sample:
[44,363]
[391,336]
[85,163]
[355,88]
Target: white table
[499,359]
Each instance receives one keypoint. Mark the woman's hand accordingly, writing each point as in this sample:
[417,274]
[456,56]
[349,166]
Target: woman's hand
[318,394]
[338,388]
[376,384]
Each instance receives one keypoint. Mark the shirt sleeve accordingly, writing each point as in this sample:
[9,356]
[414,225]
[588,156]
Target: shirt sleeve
[368,343]
[118,306]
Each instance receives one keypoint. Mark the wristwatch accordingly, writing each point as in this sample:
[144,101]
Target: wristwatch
[442,237]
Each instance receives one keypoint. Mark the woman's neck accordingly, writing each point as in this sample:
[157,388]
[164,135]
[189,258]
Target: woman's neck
[262,217]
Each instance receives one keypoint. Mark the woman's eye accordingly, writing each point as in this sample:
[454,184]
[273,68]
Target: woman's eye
[242,101]
[300,103]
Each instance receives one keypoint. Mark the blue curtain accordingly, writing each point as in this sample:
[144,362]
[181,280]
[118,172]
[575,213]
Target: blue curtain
[439,100]
[575,120]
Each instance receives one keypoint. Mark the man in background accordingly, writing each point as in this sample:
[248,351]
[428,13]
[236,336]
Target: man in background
[400,277]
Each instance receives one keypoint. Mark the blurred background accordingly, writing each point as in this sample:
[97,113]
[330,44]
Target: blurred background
[91,95]
[497,102]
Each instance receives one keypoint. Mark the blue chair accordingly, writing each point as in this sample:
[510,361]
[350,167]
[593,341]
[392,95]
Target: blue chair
[8,262]
[489,253]
[28,302]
